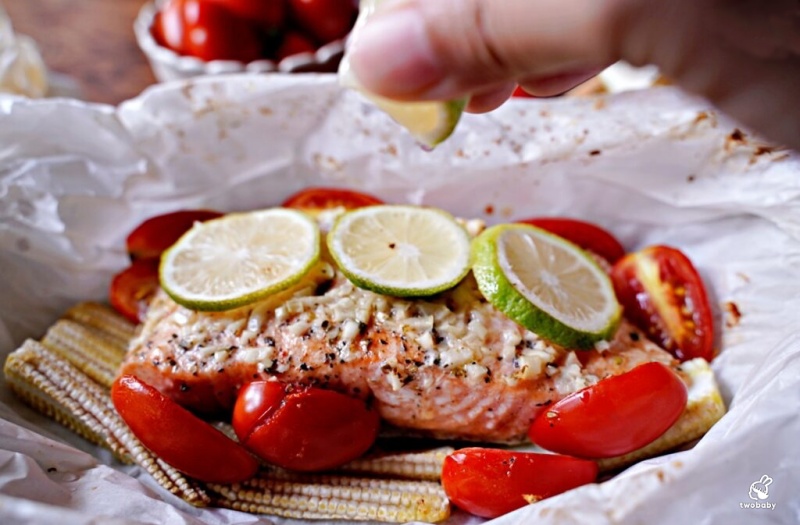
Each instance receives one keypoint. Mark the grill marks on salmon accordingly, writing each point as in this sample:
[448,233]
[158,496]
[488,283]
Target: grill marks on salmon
[448,366]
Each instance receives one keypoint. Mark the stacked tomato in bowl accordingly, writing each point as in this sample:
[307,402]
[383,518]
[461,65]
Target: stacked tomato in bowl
[184,38]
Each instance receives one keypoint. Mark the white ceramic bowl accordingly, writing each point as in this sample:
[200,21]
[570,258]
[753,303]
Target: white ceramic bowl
[168,65]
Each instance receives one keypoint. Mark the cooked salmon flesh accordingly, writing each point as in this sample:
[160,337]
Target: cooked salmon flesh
[448,366]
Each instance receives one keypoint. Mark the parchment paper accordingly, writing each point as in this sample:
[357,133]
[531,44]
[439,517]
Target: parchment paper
[652,166]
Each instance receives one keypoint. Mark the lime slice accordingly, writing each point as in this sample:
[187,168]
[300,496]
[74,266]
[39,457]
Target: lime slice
[239,258]
[546,284]
[430,123]
[405,251]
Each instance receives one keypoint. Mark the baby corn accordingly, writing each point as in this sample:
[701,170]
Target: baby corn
[336,497]
[104,319]
[56,388]
[703,408]
[91,350]
[42,381]
[423,465]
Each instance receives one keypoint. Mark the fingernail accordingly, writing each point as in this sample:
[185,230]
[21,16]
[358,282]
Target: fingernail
[393,56]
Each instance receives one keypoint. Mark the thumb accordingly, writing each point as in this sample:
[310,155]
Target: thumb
[438,49]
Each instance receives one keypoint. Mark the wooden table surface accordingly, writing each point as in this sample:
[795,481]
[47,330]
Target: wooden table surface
[90,41]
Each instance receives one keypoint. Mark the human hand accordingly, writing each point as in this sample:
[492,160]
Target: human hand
[743,55]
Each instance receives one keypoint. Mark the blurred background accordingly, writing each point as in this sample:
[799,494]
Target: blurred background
[110,50]
[90,41]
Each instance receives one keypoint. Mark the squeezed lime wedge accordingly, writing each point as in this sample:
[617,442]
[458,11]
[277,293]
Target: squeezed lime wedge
[429,122]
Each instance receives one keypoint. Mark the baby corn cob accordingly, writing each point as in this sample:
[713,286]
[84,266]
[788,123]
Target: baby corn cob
[422,465]
[56,388]
[87,348]
[703,408]
[39,382]
[336,497]
[103,318]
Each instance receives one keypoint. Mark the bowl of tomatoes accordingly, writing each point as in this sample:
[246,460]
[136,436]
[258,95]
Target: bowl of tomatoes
[188,38]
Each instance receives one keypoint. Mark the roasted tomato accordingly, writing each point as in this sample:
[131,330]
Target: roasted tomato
[132,288]
[207,30]
[179,437]
[303,428]
[615,416]
[269,14]
[663,294]
[325,20]
[492,482]
[327,198]
[156,234]
[586,235]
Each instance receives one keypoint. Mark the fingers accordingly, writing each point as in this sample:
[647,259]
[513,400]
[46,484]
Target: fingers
[744,56]
[549,86]
[493,98]
[422,49]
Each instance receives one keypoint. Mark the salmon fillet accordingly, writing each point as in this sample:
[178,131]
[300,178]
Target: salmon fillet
[449,366]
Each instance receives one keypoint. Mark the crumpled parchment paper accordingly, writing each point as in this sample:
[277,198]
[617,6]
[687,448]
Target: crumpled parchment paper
[654,166]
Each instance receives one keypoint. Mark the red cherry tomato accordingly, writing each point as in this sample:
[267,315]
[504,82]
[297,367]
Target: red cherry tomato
[303,428]
[586,235]
[269,14]
[327,198]
[663,294]
[208,31]
[255,403]
[325,20]
[492,482]
[294,43]
[157,30]
[615,416]
[179,437]
[214,33]
[132,288]
[168,26]
[158,233]
[521,93]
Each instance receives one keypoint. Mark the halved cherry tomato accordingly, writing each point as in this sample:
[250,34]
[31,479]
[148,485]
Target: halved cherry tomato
[303,428]
[327,198]
[158,233]
[585,234]
[132,288]
[663,294]
[491,482]
[325,20]
[179,437]
[615,416]
[269,14]
[207,30]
